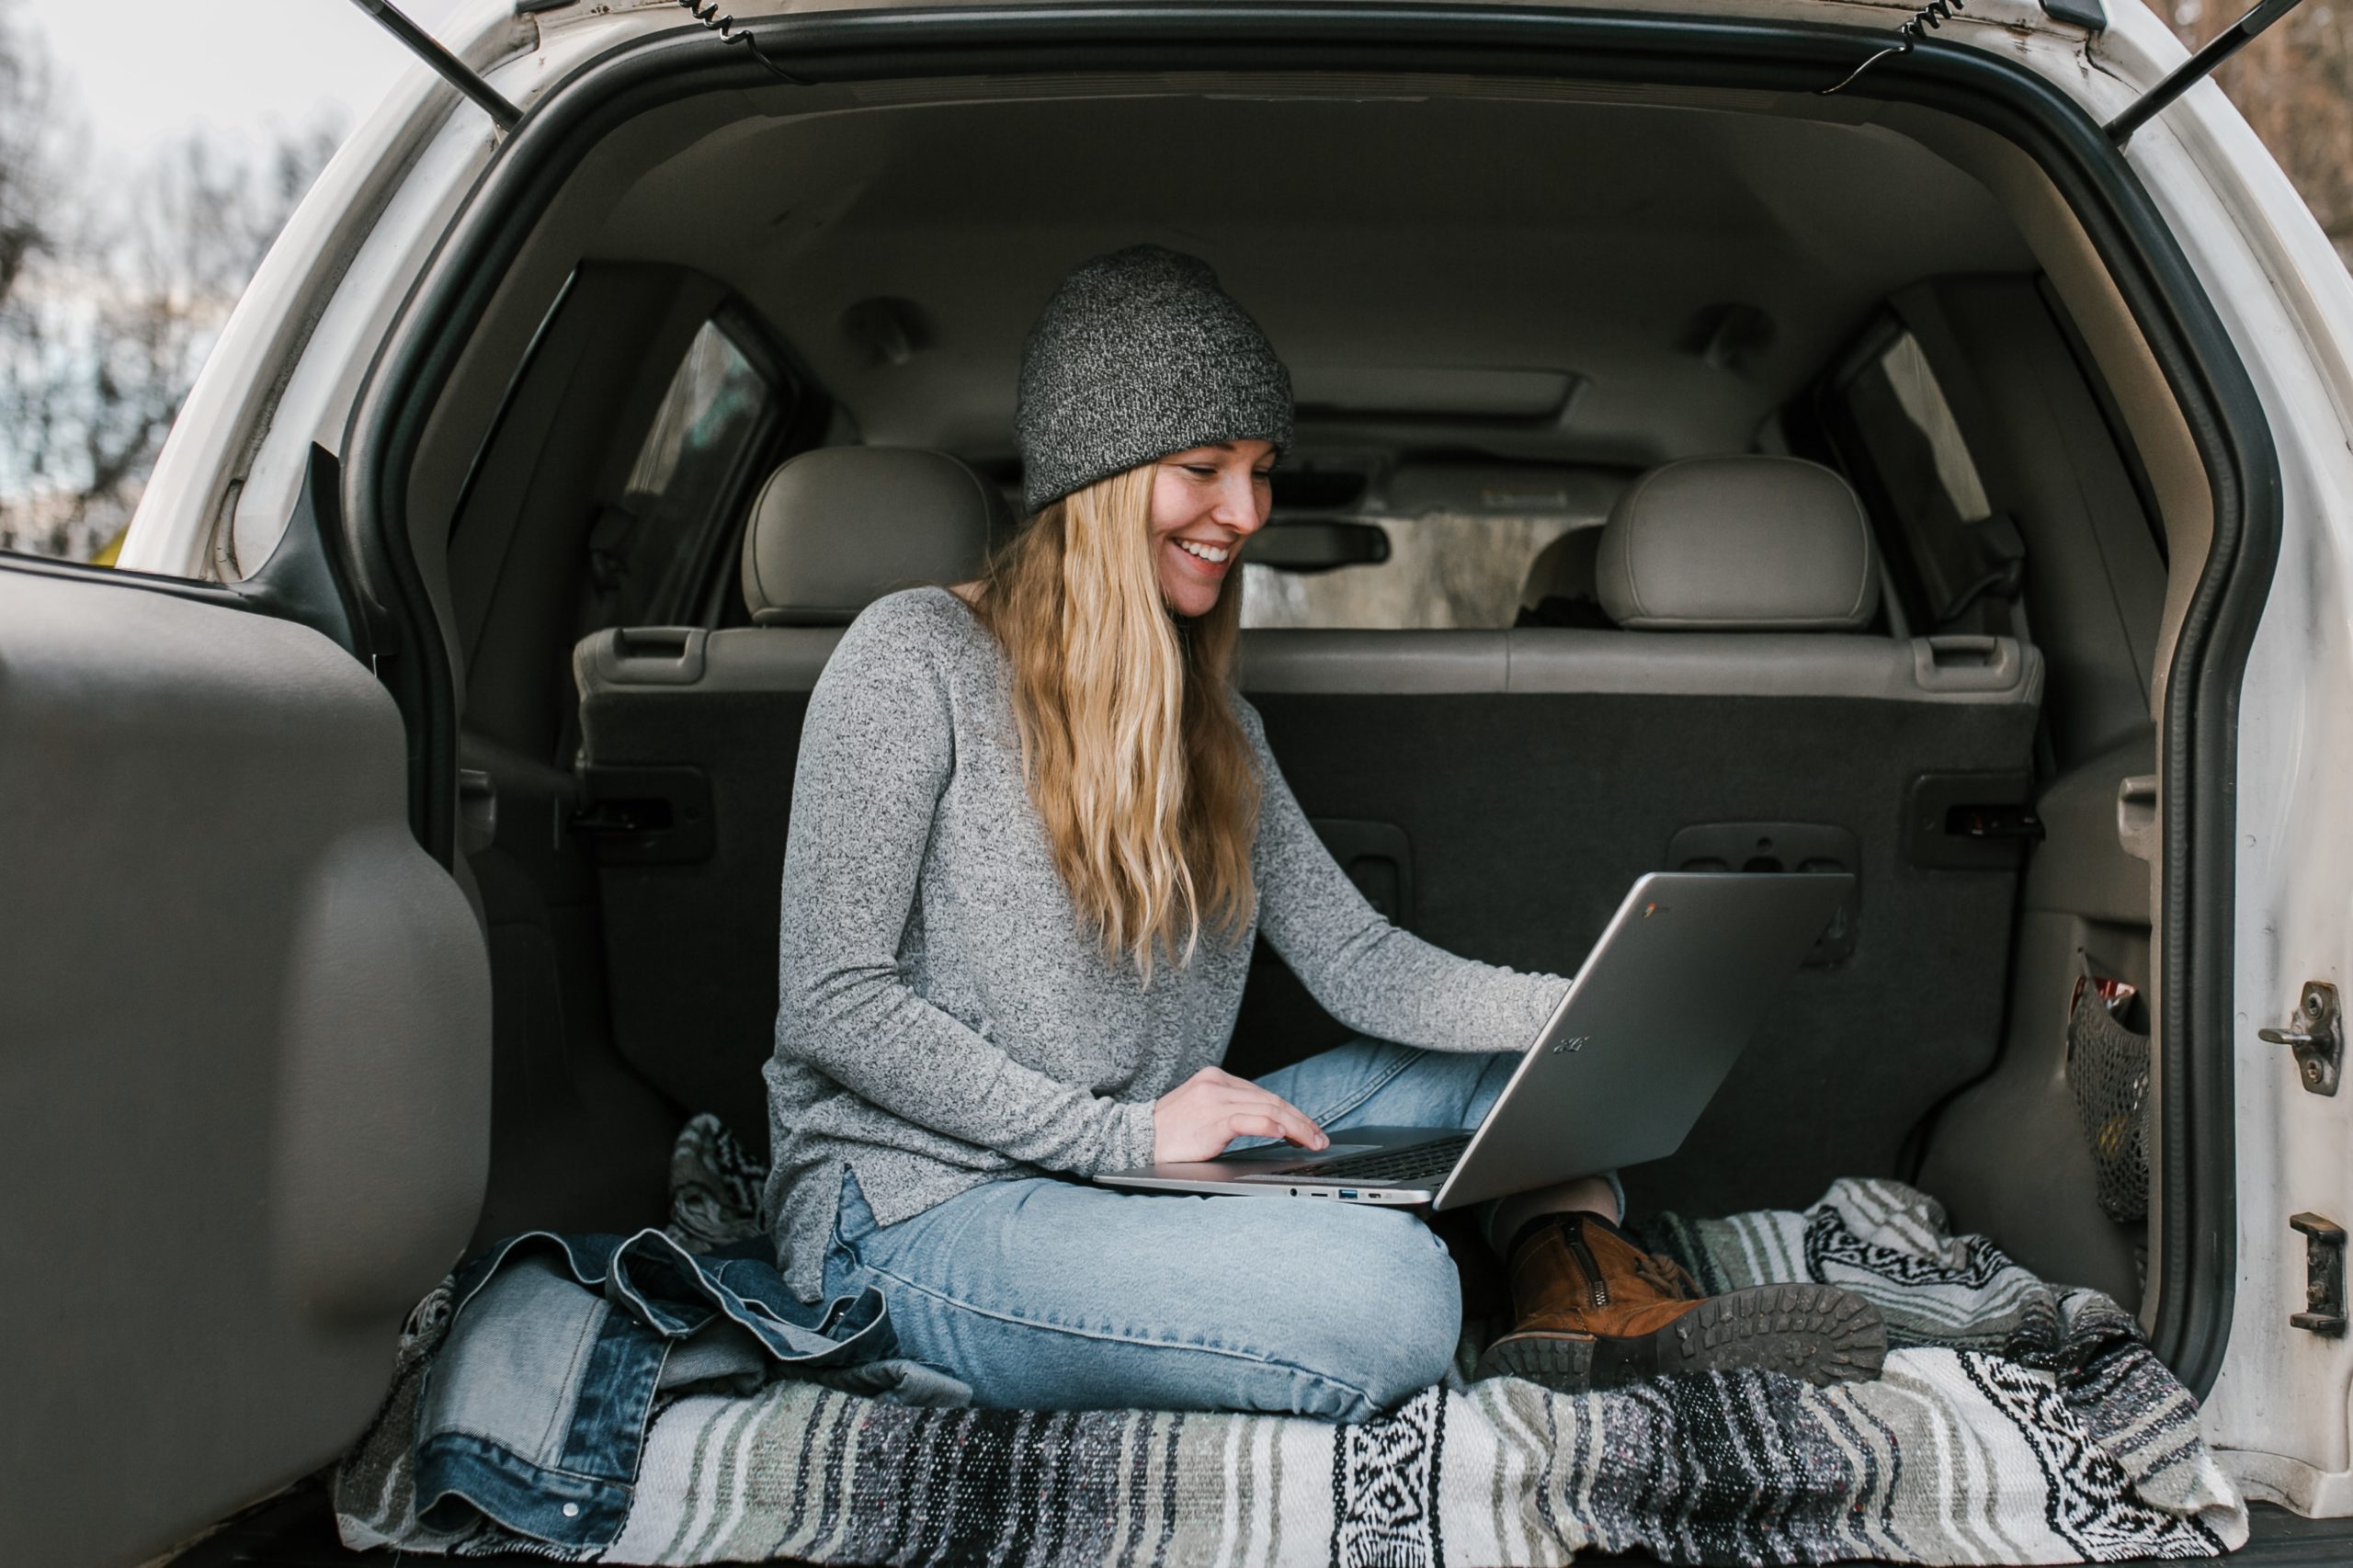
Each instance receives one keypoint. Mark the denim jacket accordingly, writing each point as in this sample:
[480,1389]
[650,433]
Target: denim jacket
[536,1405]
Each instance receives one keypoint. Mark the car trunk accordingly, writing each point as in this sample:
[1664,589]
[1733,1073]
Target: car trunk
[1669,234]
[1495,788]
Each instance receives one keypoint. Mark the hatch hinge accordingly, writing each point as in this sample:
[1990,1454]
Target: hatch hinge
[2087,13]
[2324,1274]
[2199,66]
[2317,1037]
[446,65]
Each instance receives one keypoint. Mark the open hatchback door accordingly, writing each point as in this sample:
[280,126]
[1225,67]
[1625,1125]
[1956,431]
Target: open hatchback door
[244,1051]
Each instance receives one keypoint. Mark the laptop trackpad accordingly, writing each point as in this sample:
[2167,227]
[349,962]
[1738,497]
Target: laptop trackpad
[1292,1154]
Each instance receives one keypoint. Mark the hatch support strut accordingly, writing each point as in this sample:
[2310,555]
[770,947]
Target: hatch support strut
[2197,67]
[448,66]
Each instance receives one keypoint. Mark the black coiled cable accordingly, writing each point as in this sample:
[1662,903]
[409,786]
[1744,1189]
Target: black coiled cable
[707,13]
[1934,14]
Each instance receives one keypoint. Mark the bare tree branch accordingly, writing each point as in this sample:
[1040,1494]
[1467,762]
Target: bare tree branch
[24,162]
[110,297]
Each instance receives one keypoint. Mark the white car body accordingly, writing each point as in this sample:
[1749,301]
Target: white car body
[291,363]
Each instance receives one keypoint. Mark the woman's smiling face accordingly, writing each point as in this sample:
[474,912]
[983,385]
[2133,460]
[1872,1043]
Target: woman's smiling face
[1205,502]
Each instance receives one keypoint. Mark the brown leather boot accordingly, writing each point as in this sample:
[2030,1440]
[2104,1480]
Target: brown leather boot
[1594,1310]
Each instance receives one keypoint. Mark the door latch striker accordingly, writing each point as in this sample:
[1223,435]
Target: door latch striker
[2317,1037]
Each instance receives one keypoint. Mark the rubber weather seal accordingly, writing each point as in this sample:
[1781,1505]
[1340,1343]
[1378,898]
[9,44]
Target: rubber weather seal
[2198,1230]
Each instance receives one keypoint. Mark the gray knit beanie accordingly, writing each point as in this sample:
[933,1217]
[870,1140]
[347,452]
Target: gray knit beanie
[1140,354]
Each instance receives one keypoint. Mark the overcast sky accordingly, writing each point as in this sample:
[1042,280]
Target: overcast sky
[140,71]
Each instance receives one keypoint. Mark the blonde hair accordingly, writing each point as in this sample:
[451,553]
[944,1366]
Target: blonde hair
[1130,744]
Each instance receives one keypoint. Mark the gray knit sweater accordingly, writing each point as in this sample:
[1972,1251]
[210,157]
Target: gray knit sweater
[943,1022]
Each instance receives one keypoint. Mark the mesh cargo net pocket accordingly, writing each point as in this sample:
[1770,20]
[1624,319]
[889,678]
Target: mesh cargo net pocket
[2107,1072]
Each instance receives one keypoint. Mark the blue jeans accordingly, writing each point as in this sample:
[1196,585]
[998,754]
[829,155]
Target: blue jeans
[1047,1293]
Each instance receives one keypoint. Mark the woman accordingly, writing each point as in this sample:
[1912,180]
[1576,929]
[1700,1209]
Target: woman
[1034,832]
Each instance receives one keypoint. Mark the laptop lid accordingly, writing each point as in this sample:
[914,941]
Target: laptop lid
[1664,1004]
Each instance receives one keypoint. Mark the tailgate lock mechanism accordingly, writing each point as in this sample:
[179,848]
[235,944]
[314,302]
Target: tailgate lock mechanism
[2323,1274]
[2317,1037]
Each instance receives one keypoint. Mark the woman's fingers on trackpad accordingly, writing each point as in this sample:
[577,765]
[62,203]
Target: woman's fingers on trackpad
[1297,1125]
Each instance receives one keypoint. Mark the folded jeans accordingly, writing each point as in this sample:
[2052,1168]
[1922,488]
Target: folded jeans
[536,1410]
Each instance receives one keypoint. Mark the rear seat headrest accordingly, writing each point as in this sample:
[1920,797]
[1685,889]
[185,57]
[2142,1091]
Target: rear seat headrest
[835,528]
[1738,544]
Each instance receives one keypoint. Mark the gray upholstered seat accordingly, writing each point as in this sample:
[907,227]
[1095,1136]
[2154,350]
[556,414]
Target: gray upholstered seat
[697,734]
[1738,544]
[1727,576]
[1498,789]
[837,529]
[1512,783]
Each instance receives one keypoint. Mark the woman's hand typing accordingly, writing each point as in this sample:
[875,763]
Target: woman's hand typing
[1199,1117]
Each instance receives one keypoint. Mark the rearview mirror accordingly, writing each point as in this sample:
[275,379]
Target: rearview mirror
[1318,544]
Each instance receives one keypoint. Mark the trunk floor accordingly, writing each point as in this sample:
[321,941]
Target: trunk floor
[297,1530]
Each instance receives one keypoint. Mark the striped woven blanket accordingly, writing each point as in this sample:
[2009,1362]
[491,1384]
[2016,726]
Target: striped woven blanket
[2016,1422]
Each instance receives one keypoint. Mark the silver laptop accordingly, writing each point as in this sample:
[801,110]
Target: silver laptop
[1619,1072]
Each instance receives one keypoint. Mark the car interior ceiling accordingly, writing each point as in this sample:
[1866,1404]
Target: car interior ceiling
[1571,285]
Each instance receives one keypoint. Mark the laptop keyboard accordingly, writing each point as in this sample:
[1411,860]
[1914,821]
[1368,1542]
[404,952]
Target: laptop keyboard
[1385,1167]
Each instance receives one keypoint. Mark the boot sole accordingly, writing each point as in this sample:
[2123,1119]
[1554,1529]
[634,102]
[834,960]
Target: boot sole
[1816,1331]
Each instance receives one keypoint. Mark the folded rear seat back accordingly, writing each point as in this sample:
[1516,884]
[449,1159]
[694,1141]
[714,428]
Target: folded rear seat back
[690,741]
[1744,714]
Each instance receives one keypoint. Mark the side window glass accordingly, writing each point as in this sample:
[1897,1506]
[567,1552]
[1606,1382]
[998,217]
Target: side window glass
[652,557]
[1929,485]
[1912,388]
